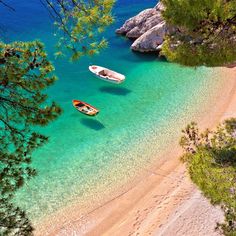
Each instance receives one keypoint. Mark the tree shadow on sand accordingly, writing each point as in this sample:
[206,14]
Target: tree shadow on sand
[115,90]
[92,124]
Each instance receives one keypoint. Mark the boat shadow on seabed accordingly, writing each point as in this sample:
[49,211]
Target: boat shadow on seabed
[115,90]
[92,124]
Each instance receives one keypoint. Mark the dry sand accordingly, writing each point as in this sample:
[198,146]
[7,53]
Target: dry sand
[164,203]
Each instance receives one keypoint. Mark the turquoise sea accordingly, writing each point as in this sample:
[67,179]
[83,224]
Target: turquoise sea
[89,160]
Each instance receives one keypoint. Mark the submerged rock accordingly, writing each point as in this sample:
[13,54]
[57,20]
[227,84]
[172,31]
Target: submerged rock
[148,28]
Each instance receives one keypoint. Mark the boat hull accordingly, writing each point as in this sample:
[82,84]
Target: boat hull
[82,107]
[112,77]
[108,80]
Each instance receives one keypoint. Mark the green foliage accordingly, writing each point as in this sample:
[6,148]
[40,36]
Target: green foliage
[204,32]
[211,163]
[13,220]
[24,73]
[81,23]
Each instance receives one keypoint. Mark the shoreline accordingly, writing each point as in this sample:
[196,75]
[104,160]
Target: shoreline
[151,206]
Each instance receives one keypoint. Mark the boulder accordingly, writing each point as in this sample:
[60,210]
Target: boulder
[148,28]
[146,25]
[151,40]
[136,22]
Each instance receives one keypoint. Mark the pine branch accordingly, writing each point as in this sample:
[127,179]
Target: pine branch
[6,5]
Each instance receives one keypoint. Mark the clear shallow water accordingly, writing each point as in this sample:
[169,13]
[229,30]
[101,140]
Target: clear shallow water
[88,158]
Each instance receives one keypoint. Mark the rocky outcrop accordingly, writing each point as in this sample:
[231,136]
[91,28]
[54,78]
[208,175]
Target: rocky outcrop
[151,40]
[148,28]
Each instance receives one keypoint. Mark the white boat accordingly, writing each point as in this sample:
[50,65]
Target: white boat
[107,75]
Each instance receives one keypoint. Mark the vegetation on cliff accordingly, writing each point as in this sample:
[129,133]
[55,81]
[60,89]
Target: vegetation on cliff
[204,32]
[211,163]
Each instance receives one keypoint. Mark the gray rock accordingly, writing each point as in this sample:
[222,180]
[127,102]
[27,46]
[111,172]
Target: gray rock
[159,7]
[136,21]
[151,40]
[148,28]
[146,25]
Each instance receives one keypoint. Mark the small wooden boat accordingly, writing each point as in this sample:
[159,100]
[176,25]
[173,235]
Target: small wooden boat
[107,75]
[85,108]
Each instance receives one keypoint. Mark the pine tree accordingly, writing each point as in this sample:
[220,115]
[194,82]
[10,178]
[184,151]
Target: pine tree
[25,72]
[80,25]
[204,32]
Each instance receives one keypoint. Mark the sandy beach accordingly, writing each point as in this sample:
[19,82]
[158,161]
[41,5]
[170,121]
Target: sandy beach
[164,203]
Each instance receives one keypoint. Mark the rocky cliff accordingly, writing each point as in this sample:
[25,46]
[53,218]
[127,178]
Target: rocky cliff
[147,28]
